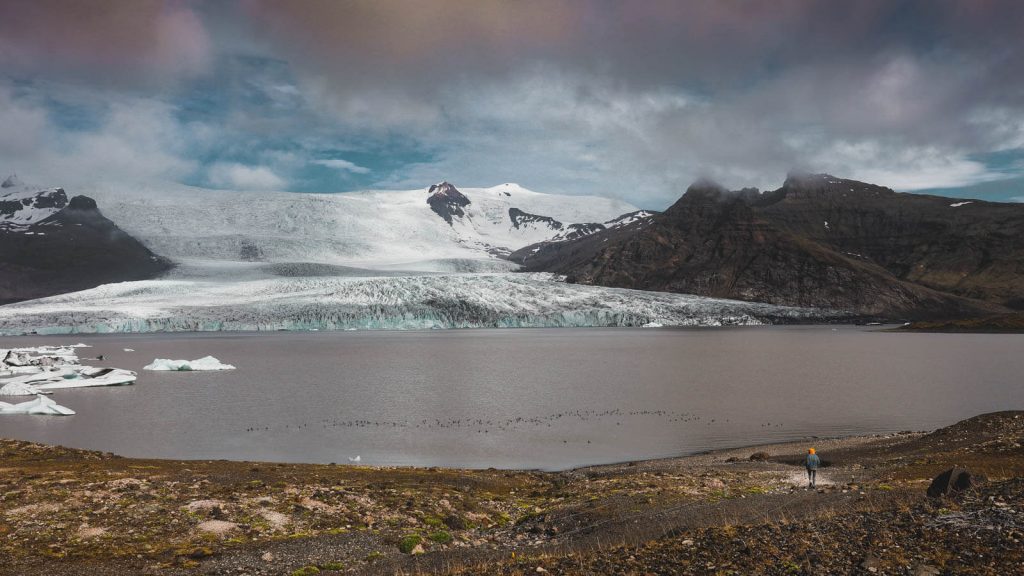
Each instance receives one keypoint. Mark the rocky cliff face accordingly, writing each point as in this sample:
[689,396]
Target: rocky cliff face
[446,201]
[50,245]
[817,241]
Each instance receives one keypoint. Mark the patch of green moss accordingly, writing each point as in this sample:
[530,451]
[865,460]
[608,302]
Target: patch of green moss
[407,544]
[441,537]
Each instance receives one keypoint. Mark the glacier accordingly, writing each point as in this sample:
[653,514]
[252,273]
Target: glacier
[260,300]
[373,260]
[379,229]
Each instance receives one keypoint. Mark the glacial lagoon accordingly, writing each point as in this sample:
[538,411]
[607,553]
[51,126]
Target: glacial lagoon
[522,398]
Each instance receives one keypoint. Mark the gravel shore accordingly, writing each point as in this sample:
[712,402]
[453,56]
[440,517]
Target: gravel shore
[65,511]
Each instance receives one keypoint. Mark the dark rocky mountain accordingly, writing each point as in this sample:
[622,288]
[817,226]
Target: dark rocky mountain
[446,200]
[816,241]
[50,245]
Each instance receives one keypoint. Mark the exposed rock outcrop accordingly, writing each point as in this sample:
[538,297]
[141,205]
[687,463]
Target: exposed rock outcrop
[817,241]
[50,245]
[446,200]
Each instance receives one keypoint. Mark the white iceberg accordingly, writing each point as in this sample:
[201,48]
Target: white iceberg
[28,360]
[87,376]
[14,388]
[653,325]
[206,363]
[71,377]
[41,405]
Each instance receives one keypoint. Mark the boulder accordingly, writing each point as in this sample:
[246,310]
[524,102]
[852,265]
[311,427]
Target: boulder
[951,482]
[759,457]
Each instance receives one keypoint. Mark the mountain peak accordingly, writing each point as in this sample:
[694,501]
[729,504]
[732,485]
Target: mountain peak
[12,181]
[706,186]
[443,187]
[446,200]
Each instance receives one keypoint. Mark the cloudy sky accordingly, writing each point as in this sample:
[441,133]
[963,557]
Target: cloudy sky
[627,99]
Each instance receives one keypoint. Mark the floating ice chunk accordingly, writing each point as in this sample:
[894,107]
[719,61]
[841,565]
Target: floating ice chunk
[41,405]
[653,325]
[15,388]
[129,350]
[356,459]
[87,376]
[202,364]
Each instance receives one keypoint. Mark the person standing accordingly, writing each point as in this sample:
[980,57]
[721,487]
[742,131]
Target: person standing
[812,463]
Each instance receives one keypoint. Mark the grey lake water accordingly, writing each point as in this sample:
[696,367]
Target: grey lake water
[523,398]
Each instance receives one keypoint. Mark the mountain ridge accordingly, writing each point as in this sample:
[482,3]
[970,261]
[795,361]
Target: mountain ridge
[51,245]
[816,241]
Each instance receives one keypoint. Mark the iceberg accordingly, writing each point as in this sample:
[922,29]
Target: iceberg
[206,363]
[41,405]
[71,377]
[87,377]
[15,388]
[25,360]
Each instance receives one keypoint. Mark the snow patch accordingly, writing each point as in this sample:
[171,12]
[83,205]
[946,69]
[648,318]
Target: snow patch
[959,204]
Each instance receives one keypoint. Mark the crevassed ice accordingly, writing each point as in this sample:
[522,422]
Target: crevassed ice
[401,302]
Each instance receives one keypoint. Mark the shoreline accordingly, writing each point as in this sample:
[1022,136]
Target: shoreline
[883,327]
[66,511]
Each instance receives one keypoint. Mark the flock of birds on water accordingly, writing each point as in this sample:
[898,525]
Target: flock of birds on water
[511,424]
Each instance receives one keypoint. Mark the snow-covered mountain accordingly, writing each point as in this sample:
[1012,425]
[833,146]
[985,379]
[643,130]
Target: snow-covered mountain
[51,245]
[22,206]
[439,228]
[426,258]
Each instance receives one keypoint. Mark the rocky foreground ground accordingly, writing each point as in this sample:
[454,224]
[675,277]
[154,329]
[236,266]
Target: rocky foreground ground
[66,511]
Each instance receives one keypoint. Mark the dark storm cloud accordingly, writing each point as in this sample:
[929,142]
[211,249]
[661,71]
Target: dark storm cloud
[129,41]
[628,98]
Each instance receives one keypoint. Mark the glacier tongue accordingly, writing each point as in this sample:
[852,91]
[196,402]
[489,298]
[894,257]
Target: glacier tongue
[380,302]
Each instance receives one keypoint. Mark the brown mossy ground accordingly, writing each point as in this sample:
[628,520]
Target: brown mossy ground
[65,511]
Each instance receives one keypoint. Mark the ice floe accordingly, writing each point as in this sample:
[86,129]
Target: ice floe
[88,376]
[41,405]
[206,363]
[18,389]
[42,369]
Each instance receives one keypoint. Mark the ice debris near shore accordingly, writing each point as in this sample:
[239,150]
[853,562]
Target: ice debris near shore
[16,388]
[37,371]
[41,405]
[206,363]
